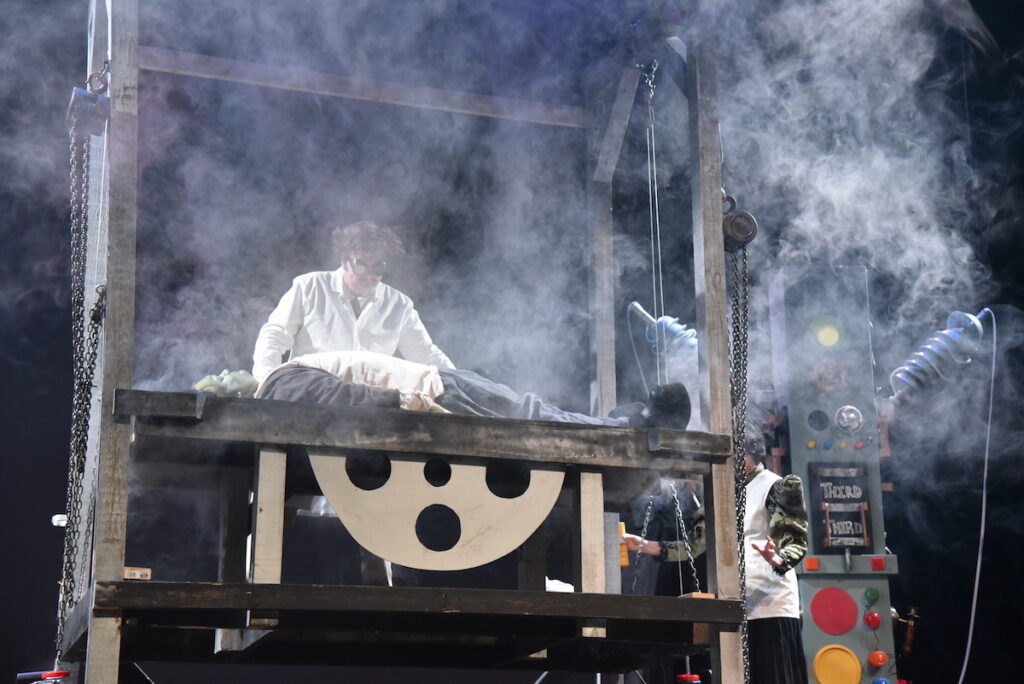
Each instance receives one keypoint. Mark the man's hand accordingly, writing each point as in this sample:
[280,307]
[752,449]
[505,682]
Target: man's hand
[768,552]
[635,543]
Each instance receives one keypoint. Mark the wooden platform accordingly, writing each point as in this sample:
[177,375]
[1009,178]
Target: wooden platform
[192,439]
[337,625]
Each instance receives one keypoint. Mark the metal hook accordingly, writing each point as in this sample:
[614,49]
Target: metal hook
[97,82]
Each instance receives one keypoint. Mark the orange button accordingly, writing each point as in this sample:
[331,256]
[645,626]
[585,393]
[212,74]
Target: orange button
[812,444]
[812,563]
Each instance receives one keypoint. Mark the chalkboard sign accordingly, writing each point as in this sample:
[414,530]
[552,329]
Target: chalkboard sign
[840,513]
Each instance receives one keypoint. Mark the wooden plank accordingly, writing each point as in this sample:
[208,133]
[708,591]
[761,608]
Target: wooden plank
[112,262]
[711,299]
[412,601]
[268,517]
[615,128]
[314,426]
[320,83]
[588,556]
[103,653]
[602,297]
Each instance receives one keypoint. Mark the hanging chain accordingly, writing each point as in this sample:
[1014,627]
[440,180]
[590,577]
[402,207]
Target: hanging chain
[84,353]
[643,540]
[740,311]
[681,537]
[684,538]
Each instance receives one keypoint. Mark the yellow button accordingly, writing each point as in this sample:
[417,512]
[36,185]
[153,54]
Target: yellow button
[837,664]
[812,444]
[843,445]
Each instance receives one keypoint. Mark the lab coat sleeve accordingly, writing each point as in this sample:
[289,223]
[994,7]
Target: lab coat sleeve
[277,335]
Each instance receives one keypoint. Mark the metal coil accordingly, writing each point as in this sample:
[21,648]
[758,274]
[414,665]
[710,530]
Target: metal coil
[939,357]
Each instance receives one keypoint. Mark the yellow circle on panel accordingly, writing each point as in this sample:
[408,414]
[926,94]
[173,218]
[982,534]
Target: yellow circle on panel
[827,335]
[837,664]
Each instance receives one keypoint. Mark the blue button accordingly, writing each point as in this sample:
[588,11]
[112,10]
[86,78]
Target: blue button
[826,445]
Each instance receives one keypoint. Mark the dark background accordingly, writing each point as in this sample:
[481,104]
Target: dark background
[937,559]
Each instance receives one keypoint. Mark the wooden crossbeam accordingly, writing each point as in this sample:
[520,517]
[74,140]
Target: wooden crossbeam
[321,83]
[114,597]
[311,425]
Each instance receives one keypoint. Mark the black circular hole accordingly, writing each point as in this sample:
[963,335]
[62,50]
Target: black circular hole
[818,420]
[438,527]
[368,471]
[508,479]
[437,472]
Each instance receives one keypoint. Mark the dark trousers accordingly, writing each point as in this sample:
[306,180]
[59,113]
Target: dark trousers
[776,651]
[465,392]
[298,383]
[470,393]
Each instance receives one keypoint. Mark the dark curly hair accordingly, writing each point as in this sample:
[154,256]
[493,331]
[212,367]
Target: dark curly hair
[365,237]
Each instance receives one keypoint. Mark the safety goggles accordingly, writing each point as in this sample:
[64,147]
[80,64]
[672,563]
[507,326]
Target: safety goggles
[360,267]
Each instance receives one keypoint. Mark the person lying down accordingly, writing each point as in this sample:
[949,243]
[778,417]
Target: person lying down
[363,378]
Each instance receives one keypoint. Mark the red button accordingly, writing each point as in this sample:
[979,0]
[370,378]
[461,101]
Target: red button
[878,562]
[858,445]
[833,611]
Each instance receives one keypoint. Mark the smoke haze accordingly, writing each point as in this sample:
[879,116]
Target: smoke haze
[844,127]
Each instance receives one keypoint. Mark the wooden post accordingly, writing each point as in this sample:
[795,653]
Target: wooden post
[114,235]
[711,299]
[268,518]
[588,490]
[603,156]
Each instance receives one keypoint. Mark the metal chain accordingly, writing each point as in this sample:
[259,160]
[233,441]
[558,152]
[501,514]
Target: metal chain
[738,385]
[682,536]
[84,353]
[643,540]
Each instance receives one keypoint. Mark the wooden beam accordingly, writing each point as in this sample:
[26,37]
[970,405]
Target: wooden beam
[588,556]
[311,425]
[334,85]
[268,517]
[711,300]
[615,128]
[126,597]
[114,35]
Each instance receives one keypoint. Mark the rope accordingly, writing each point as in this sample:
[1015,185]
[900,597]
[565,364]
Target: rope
[657,278]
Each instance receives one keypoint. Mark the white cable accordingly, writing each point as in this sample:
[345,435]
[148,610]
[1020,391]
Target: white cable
[636,356]
[652,190]
[984,500]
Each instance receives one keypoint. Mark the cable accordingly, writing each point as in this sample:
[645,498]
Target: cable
[984,499]
[636,355]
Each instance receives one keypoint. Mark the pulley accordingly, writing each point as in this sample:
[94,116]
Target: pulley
[87,112]
[738,226]
[89,108]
